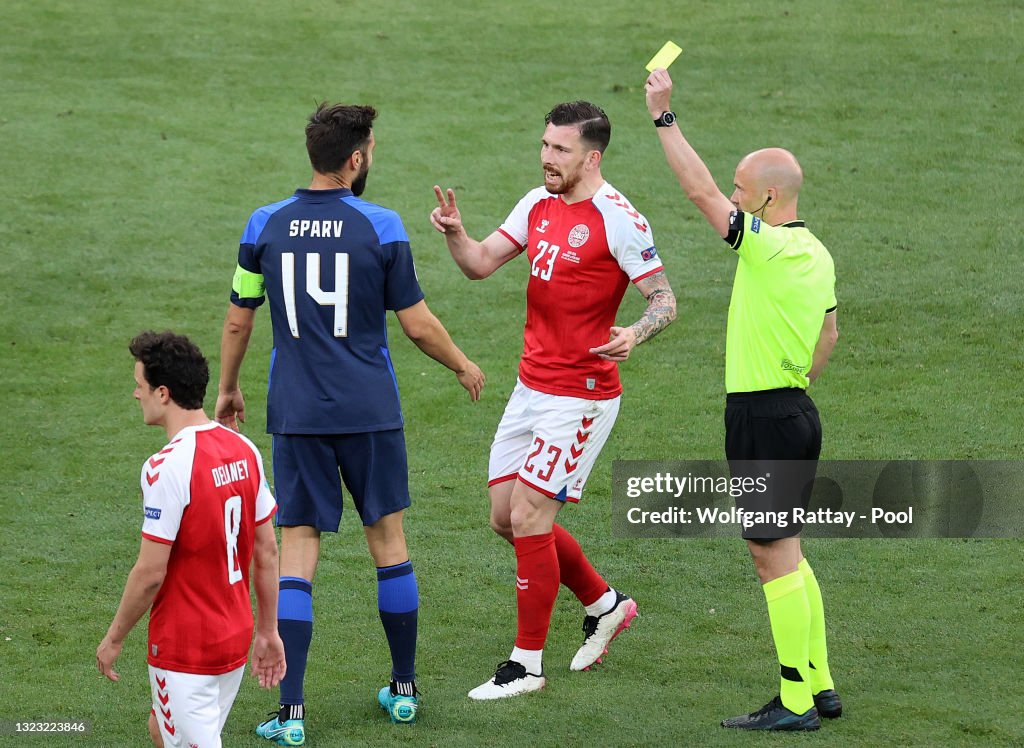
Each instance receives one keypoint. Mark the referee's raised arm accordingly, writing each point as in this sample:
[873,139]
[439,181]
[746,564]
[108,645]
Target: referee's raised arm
[693,175]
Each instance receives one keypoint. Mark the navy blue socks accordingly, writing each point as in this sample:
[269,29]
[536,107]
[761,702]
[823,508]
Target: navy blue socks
[398,600]
[295,624]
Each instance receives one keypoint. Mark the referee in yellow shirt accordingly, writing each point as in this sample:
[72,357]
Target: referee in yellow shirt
[781,331]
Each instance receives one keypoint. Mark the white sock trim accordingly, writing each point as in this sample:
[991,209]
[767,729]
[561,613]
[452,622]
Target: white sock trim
[531,659]
[603,604]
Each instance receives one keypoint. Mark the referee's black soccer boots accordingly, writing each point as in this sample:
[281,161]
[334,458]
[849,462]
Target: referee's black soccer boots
[774,716]
[828,704]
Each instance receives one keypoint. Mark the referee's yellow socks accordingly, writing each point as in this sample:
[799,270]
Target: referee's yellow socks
[821,678]
[790,616]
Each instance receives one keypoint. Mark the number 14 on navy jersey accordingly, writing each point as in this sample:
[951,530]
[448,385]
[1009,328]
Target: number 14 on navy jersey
[332,266]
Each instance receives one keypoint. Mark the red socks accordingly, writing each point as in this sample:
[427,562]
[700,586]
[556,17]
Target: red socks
[536,588]
[541,562]
[576,572]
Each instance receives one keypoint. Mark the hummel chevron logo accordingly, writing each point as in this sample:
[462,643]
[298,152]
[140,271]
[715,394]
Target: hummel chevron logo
[522,584]
[576,449]
[151,479]
[163,697]
[155,463]
[629,210]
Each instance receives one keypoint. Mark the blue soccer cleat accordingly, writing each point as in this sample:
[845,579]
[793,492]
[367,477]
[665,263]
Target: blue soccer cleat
[289,732]
[401,709]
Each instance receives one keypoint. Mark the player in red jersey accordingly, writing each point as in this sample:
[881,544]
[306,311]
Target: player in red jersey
[585,243]
[206,506]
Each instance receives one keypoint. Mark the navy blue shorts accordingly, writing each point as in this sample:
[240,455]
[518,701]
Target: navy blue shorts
[309,469]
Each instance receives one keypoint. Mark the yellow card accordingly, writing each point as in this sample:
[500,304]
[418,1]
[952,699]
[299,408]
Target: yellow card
[665,57]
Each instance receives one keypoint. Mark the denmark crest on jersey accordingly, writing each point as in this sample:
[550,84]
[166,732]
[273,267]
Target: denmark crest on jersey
[578,235]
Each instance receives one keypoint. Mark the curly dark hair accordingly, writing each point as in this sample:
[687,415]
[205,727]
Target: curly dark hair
[174,362]
[593,124]
[335,132]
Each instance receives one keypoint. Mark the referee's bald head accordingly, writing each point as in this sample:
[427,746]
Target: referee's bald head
[773,168]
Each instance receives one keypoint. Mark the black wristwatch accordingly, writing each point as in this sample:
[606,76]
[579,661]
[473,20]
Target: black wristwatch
[667,119]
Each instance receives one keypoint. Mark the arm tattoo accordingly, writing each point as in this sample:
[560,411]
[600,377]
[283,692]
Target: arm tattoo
[661,307]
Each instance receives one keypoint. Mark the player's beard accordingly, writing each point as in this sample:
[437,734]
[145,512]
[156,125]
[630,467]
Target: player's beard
[567,183]
[359,183]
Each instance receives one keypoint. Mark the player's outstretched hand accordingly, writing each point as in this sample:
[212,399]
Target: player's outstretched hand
[659,92]
[106,655]
[472,378]
[268,663]
[620,343]
[446,217]
[230,409]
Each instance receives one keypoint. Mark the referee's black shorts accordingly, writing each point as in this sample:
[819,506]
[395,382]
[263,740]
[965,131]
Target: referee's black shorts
[774,433]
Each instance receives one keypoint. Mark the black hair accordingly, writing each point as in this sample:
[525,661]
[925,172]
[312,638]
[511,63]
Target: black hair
[335,132]
[175,362]
[593,124]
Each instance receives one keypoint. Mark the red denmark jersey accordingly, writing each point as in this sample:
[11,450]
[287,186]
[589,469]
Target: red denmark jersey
[203,494]
[582,258]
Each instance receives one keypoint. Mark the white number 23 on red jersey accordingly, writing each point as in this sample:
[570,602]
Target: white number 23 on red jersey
[544,261]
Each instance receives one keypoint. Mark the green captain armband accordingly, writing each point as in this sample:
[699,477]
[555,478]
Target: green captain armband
[247,284]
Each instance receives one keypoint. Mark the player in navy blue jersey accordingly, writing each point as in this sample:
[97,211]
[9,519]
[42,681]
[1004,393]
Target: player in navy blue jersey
[332,265]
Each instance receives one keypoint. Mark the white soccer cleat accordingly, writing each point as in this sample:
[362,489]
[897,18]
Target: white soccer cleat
[599,631]
[510,679]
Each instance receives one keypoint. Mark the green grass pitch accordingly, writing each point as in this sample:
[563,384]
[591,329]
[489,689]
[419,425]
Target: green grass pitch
[135,139]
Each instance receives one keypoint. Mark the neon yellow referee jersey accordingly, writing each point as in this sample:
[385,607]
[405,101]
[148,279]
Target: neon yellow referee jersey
[785,284]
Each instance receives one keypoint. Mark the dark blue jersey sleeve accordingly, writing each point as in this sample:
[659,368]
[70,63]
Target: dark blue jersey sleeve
[401,287]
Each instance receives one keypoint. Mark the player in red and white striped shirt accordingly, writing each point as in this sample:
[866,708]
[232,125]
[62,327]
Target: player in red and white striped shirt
[206,508]
[585,243]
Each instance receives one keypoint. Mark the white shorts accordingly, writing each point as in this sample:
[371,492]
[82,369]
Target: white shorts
[191,709]
[550,442]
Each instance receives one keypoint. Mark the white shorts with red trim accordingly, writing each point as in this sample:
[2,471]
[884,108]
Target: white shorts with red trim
[191,709]
[550,442]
